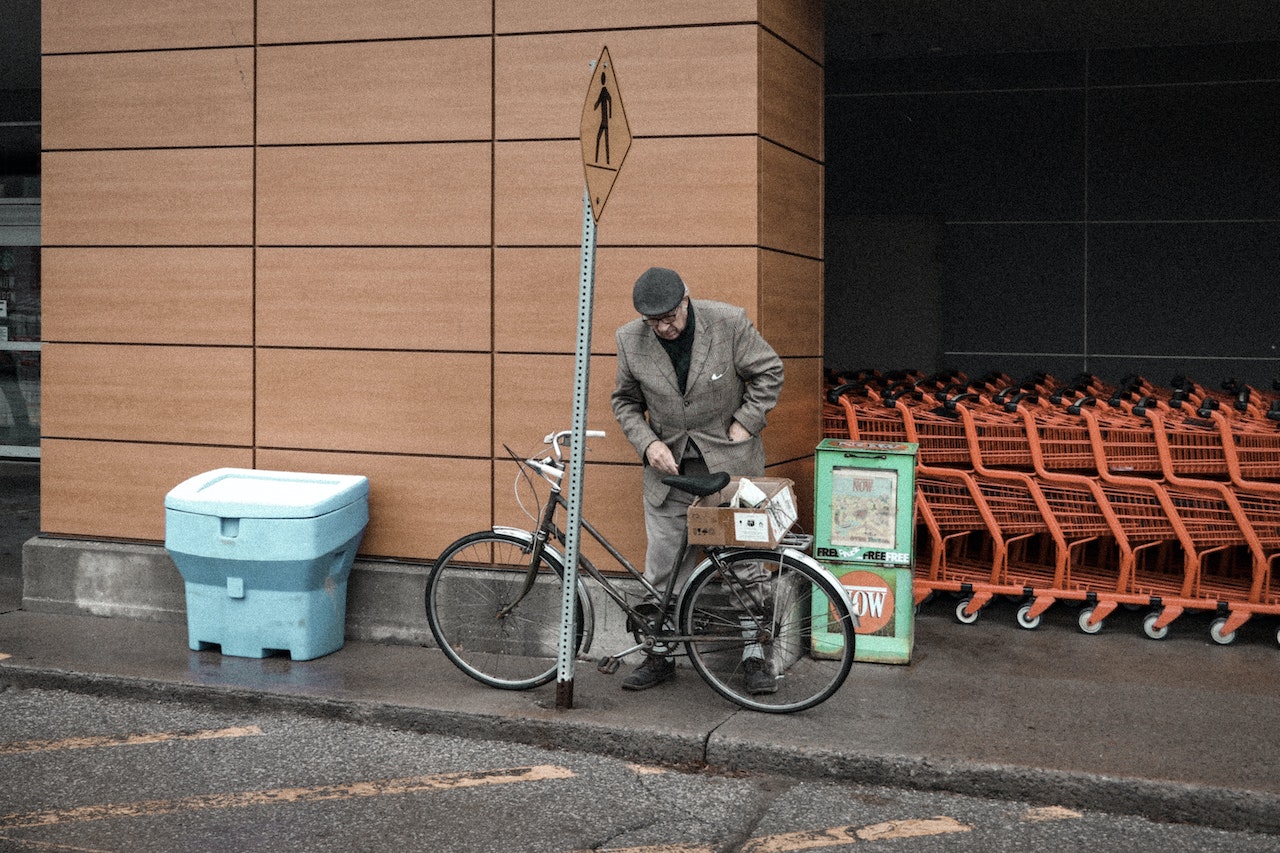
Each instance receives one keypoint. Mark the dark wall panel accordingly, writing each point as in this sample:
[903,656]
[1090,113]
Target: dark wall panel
[1015,288]
[966,156]
[1185,152]
[1186,290]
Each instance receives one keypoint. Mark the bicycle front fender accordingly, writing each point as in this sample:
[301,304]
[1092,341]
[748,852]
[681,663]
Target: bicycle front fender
[556,559]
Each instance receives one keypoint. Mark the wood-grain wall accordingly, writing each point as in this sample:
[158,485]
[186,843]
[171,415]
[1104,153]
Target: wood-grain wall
[343,236]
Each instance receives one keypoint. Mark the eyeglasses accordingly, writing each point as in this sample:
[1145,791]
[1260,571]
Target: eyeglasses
[666,319]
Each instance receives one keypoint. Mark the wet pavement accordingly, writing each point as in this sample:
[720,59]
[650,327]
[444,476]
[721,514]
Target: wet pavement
[1180,729]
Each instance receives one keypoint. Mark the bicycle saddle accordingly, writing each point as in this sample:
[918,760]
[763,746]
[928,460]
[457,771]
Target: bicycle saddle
[708,484]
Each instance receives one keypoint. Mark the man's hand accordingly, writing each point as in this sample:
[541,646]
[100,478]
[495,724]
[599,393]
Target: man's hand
[659,456]
[737,432]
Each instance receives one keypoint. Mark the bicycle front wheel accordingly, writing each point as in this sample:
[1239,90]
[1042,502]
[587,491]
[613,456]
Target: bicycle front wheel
[497,623]
[769,631]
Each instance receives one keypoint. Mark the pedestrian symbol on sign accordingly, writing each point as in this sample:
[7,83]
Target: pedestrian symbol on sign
[604,103]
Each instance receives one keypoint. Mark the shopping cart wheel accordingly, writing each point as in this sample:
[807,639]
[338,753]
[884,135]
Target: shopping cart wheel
[1215,631]
[1027,621]
[966,618]
[1082,620]
[1149,626]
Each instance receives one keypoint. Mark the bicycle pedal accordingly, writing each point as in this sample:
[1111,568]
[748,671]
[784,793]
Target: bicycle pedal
[609,666]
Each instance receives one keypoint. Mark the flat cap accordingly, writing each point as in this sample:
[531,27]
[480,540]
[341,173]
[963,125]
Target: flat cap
[658,291]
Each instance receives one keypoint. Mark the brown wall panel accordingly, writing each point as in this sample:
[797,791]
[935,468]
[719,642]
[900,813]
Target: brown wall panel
[374,195]
[798,22]
[549,279]
[376,402]
[341,20]
[148,100]
[534,397]
[148,295]
[676,192]
[611,501]
[791,303]
[74,25]
[795,425]
[790,202]
[790,98]
[197,395]
[116,490]
[181,197]
[417,504]
[670,81]
[400,91]
[428,299]
[521,16]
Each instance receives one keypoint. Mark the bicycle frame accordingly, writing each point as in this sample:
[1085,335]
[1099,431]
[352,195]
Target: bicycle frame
[549,530]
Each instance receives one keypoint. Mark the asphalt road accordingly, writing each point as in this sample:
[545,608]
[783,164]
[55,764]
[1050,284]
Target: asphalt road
[110,774]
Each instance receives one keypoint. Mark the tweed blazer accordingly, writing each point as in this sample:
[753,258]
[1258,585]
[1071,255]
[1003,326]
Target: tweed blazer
[733,375]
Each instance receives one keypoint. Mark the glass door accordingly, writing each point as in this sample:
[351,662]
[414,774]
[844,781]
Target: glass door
[20,327]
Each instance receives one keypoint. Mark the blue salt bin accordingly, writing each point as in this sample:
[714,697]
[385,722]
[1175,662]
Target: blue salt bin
[266,556]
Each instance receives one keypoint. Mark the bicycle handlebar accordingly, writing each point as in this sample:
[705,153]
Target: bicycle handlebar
[553,468]
[558,438]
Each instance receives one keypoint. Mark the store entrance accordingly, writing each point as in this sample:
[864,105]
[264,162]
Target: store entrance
[19,328]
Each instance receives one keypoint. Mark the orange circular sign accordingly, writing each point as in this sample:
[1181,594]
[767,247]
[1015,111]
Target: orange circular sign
[871,598]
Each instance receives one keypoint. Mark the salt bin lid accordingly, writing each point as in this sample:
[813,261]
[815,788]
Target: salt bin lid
[251,493]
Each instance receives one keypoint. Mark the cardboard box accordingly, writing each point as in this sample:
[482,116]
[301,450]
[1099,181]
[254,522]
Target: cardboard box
[761,527]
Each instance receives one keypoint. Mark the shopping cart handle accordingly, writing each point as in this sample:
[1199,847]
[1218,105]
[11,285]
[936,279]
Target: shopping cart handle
[1011,405]
[1087,400]
[834,395]
[893,395]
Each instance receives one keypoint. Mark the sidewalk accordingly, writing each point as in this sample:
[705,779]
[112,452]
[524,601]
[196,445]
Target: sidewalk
[1178,730]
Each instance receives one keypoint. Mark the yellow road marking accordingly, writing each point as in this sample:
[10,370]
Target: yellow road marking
[125,740]
[912,828]
[277,796]
[1051,813]
[661,848]
[815,839]
[646,769]
[788,842]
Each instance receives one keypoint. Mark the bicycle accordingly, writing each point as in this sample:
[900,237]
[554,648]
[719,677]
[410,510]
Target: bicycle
[494,600]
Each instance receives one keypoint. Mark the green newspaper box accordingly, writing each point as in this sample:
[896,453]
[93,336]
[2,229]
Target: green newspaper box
[864,533]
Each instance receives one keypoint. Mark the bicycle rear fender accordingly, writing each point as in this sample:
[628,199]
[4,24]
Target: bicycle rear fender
[557,560]
[791,553]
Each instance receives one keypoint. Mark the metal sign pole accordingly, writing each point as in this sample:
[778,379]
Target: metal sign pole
[604,128]
[577,454]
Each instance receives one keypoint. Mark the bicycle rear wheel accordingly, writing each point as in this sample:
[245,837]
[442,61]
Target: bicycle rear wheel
[486,622]
[795,622]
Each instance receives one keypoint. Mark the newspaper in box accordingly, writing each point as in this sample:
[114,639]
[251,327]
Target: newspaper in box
[751,512]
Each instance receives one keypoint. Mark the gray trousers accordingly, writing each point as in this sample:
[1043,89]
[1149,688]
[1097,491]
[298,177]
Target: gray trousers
[666,524]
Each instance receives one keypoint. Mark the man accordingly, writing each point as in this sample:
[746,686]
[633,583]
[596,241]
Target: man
[695,382]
